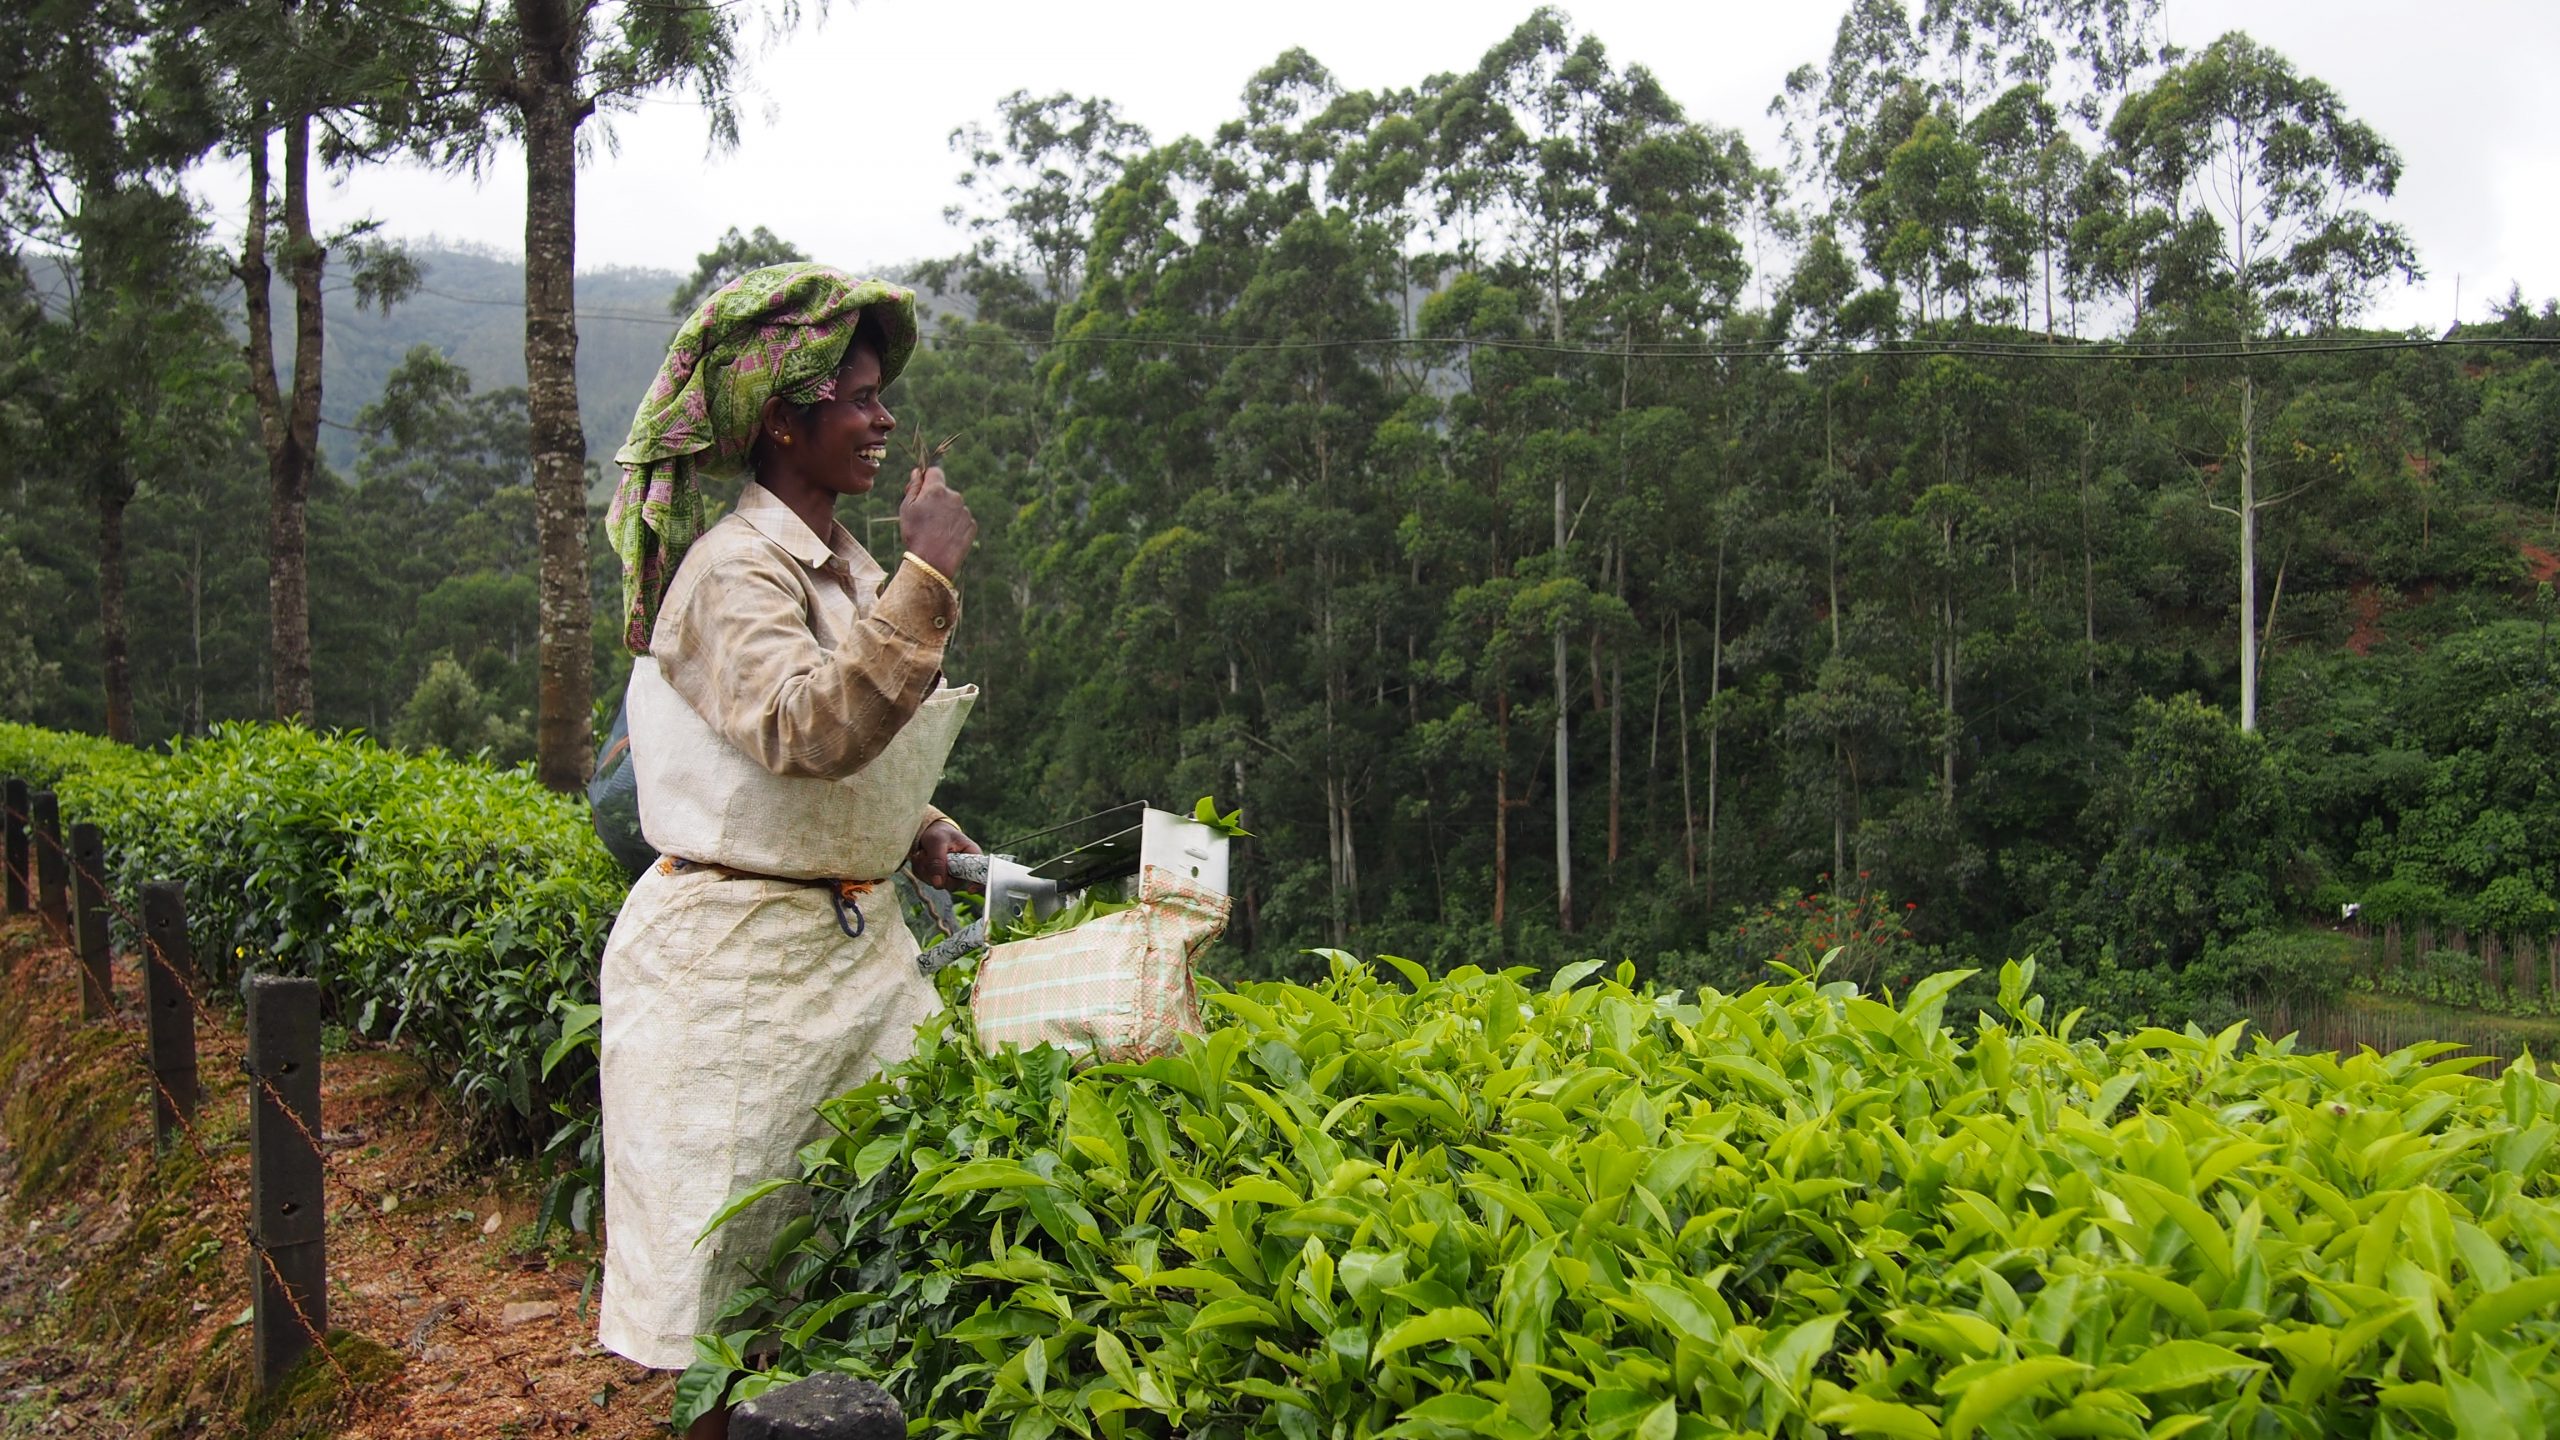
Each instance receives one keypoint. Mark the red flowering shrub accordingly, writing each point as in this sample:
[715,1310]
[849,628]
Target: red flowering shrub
[1863,932]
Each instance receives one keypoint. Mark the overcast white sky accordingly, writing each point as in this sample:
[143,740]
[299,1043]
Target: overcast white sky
[844,148]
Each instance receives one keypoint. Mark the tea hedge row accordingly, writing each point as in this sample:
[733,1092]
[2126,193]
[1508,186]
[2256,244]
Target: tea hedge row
[1464,1206]
[441,903]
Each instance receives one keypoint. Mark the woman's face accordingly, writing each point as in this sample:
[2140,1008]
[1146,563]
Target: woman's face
[845,441]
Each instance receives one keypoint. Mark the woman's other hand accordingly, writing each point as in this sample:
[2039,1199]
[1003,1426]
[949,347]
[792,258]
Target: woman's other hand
[930,860]
[935,523]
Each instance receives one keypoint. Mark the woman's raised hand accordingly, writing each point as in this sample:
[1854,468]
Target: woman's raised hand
[930,860]
[934,522]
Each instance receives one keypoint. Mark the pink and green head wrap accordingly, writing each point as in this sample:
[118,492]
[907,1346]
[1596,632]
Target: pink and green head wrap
[779,332]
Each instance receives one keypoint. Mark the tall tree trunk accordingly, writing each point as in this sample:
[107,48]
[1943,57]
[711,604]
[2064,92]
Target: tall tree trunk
[2248,551]
[289,470]
[563,741]
[257,280]
[1715,721]
[1617,725]
[1947,756]
[1350,860]
[1688,807]
[1653,735]
[2088,576]
[1831,543]
[195,634]
[1501,803]
[1337,809]
[1564,754]
[1239,873]
[1617,661]
[1831,521]
[1947,615]
[114,651]
[288,424]
[2275,599]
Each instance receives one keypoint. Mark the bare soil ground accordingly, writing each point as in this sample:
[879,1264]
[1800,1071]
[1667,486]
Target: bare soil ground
[2540,563]
[124,1274]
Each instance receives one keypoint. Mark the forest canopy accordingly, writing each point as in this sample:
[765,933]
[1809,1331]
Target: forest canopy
[1981,527]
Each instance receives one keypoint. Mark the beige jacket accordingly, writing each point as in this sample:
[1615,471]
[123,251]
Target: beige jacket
[794,652]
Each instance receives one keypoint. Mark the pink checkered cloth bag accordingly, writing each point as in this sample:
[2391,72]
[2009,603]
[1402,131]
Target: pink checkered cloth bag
[1119,988]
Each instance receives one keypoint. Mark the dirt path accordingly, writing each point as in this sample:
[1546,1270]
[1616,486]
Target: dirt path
[2541,566]
[2368,612]
[2540,563]
[123,1278]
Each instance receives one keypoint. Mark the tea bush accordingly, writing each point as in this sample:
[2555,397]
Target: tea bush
[43,757]
[441,903]
[1471,1207]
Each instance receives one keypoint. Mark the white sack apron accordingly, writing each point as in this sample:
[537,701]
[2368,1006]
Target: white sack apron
[733,1005]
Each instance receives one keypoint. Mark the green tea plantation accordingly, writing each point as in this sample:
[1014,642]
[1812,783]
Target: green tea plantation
[1393,1204]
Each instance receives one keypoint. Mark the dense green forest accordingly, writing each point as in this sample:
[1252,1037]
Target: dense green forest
[1980,529]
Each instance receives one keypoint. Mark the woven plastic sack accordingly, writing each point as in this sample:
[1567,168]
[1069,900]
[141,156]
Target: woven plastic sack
[1119,988]
[613,799]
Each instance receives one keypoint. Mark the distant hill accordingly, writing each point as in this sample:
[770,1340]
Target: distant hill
[471,307]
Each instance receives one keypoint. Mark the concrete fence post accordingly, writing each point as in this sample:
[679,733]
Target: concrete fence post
[51,864]
[288,1257]
[89,922]
[168,996]
[13,825]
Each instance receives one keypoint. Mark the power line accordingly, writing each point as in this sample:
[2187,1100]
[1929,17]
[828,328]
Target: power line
[2055,350]
[2118,350]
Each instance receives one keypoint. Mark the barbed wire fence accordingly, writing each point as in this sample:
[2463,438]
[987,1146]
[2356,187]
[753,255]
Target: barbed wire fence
[295,1178]
[65,881]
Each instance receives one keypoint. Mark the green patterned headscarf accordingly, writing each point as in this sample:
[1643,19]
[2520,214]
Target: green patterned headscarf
[776,332]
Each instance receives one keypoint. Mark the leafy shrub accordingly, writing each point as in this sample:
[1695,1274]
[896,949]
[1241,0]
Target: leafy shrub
[2198,814]
[2276,964]
[448,712]
[2460,981]
[1862,936]
[2513,905]
[2407,902]
[453,907]
[1472,1207]
[42,757]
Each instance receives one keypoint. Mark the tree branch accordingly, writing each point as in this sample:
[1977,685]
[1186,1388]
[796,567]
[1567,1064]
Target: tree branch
[1293,760]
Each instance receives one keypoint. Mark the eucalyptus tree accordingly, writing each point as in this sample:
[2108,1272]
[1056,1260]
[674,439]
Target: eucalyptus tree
[2031,166]
[1668,268]
[2269,164]
[100,109]
[540,70]
[732,255]
[1534,123]
[1469,535]
[1034,182]
[439,457]
[2514,437]
[27,679]
[342,81]
[1299,405]
[135,377]
[1939,537]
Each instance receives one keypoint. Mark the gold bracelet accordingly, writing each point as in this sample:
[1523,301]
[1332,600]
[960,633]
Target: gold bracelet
[927,567]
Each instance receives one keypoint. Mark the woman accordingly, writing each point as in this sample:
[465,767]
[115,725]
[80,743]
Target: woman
[788,721]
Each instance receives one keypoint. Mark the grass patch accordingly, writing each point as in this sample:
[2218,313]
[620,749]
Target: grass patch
[316,1394]
[67,1084]
[2354,1020]
[125,1251]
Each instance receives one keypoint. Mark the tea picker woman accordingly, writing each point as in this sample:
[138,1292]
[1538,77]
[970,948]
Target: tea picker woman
[788,722]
